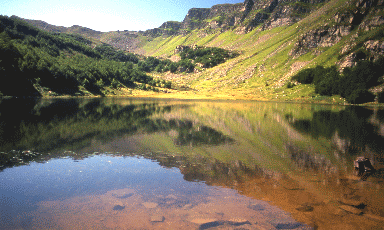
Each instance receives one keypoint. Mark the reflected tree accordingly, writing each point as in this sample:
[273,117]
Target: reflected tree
[55,125]
[352,125]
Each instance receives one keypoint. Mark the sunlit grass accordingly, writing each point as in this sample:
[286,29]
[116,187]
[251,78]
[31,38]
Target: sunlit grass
[265,65]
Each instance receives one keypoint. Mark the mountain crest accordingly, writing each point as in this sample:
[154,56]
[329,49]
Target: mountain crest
[242,17]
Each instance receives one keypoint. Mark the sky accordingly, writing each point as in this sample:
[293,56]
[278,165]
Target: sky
[102,15]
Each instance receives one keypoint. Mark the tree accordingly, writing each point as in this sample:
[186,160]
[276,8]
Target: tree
[9,55]
[359,96]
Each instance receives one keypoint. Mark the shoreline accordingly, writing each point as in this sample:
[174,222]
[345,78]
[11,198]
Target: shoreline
[186,95]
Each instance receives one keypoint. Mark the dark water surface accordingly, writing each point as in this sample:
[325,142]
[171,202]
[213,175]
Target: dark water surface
[169,164]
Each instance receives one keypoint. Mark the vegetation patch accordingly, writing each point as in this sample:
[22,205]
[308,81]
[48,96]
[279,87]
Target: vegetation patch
[353,84]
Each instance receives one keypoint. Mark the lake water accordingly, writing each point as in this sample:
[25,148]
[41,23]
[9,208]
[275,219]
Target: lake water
[167,164]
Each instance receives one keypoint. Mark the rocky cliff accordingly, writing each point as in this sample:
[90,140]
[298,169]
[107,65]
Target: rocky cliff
[362,16]
[242,17]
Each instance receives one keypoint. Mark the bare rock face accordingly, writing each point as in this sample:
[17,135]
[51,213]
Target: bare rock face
[372,23]
[348,61]
[242,17]
[376,48]
[182,48]
[362,15]
[322,37]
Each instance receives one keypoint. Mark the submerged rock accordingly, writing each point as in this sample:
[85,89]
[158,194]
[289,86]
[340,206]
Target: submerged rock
[203,220]
[187,206]
[171,197]
[351,202]
[118,207]
[351,209]
[305,208]
[238,221]
[124,196]
[205,223]
[374,217]
[256,207]
[150,204]
[157,218]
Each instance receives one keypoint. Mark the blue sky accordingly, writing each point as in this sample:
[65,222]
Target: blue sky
[104,15]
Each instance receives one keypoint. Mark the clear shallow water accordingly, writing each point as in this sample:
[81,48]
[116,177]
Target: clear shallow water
[168,164]
[117,192]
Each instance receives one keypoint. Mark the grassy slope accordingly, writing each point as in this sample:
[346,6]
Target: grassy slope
[263,67]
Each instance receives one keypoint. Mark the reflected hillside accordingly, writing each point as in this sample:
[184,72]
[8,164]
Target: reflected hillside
[296,156]
[272,159]
[31,128]
[355,131]
[44,125]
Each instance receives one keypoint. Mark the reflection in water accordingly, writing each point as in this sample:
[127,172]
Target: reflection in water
[109,192]
[56,124]
[195,158]
[354,129]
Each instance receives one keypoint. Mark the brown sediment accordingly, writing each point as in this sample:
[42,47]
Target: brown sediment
[222,208]
[323,206]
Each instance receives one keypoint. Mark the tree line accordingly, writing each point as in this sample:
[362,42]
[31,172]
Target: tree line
[205,57]
[353,84]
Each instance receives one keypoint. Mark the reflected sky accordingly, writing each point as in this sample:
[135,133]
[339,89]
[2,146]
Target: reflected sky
[62,178]
[29,192]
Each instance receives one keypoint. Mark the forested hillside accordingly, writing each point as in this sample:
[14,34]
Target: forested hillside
[35,62]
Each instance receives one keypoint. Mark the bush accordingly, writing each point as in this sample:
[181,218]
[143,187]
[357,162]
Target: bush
[168,85]
[328,84]
[305,76]
[115,83]
[290,85]
[353,84]
[142,86]
[100,83]
[360,96]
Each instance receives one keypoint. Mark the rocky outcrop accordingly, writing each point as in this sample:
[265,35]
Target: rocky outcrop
[372,23]
[361,15]
[375,47]
[171,25]
[243,17]
[289,13]
[180,48]
[167,28]
[322,37]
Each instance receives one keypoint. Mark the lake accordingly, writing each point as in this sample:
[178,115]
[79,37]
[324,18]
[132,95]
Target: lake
[115,163]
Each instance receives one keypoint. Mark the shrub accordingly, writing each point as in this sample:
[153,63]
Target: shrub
[115,83]
[353,84]
[360,96]
[328,84]
[290,85]
[100,83]
[304,76]
[168,85]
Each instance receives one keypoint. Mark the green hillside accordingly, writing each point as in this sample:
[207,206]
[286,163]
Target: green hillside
[269,58]
[34,62]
